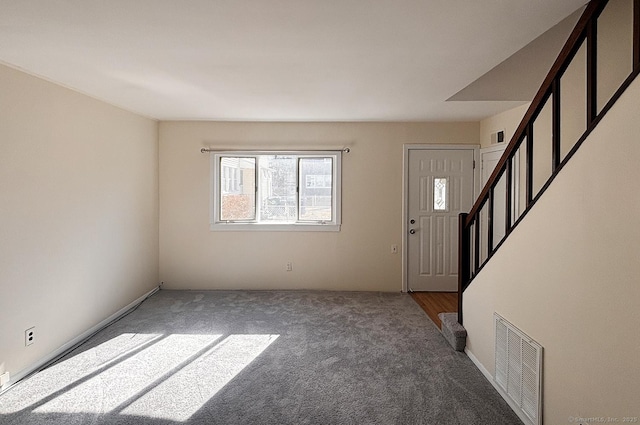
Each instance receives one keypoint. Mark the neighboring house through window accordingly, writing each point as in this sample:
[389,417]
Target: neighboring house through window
[276,190]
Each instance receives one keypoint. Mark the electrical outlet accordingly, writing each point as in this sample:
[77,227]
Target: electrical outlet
[29,336]
[289,266]
[394,249]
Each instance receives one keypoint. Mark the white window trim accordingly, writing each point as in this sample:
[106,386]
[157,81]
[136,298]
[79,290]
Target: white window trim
[217,225]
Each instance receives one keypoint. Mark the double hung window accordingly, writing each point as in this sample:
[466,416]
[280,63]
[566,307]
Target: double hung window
[276,190]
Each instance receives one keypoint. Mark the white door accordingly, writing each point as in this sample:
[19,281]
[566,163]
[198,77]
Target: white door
[489,158]
[440,186]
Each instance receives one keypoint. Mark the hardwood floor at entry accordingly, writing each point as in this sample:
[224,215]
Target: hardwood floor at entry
[436,302]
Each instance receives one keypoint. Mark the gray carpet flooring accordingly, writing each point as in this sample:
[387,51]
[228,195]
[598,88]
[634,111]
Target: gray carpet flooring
[253,357]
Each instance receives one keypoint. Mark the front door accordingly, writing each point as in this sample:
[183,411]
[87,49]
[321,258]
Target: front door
[440,186]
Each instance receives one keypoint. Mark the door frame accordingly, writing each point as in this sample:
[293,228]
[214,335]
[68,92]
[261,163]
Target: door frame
[493,148]
[515,184]
[405,193]
[515,196]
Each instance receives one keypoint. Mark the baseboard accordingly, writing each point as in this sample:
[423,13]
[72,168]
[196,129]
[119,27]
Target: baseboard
[489,377]
[79,339]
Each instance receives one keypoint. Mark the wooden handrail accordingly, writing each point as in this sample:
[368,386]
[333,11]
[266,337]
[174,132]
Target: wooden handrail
[584,32]
[569,50]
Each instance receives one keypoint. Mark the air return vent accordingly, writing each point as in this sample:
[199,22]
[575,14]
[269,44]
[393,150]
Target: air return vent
[519,370]
[497,137]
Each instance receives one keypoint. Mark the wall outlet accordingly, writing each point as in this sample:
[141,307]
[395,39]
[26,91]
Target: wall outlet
[394,249]
[29,336]
[289,266]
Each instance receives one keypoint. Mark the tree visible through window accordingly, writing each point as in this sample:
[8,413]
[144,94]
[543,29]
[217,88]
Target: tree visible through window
[237,187]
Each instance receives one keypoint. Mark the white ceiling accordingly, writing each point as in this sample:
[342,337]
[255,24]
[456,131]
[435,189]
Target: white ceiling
[278,60]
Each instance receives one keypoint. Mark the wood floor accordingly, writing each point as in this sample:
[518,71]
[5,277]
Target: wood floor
[436,302]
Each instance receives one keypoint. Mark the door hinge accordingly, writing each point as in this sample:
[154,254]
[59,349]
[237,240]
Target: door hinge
[474,164]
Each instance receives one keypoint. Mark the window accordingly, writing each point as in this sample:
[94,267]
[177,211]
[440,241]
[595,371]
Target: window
[440,194]
[276,190]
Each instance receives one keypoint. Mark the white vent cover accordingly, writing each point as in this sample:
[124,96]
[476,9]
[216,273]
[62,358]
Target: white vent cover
[497,137]
[519,369]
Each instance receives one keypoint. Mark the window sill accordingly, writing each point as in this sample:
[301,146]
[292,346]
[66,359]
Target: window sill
[265,227]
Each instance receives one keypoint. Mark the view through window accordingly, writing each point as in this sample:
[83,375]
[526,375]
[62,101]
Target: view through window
[287,188]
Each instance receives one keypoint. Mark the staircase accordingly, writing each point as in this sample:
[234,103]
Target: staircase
[565,277]
[597,64]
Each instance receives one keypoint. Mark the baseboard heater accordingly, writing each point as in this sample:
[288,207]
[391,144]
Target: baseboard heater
[518,370]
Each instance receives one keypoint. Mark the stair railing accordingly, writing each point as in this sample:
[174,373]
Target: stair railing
[484,229]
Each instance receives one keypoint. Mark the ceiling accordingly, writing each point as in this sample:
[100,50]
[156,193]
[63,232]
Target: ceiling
[290,60]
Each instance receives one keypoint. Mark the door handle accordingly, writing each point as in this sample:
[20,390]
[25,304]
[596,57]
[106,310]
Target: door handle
[412,221]
[412,231]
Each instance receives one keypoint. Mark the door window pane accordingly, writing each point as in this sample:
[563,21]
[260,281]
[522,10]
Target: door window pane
[439,194]
[237,188]
[316,189]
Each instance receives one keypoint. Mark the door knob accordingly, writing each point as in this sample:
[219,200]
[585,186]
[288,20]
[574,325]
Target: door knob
[412,221]
[412,231]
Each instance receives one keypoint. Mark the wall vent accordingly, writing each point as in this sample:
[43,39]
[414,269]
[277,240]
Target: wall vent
[497,137]
[519,369]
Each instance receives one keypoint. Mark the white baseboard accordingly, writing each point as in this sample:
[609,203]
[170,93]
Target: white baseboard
[85,335]
[489,377]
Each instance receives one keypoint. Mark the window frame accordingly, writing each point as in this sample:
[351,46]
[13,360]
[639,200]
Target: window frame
[216,224]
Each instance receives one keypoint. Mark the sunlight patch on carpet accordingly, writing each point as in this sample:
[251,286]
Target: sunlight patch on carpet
[199,381]
[68,374]
[120,385]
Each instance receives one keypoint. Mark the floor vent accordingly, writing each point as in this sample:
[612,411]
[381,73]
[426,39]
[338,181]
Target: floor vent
[519,369]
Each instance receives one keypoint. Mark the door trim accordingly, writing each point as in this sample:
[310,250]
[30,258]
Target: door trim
[489,149]
[405,193]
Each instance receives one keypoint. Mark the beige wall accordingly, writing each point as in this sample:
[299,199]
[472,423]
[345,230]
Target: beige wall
[78,207]
[507,121]
[356,258]
[568,277]
[615,47]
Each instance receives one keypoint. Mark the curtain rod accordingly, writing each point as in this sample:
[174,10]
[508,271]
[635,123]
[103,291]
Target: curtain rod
[205,150]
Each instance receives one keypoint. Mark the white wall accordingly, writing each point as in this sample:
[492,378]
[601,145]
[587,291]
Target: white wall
[568,277]
[78,214]
[356,258]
